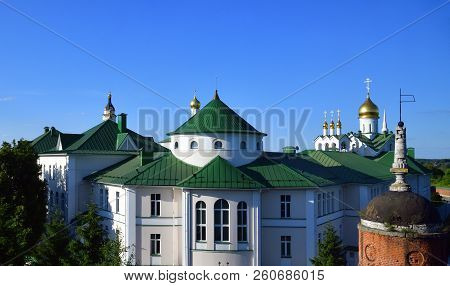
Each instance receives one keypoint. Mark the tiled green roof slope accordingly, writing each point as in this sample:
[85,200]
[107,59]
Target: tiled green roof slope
[118,173]
[102,138]
[215,117]
[347,167]
[377,142]
[219,174]
[415,167]
[274,174]
[165,171]
[46,141]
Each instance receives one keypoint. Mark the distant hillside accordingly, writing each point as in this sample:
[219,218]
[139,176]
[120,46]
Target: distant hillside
[440,169]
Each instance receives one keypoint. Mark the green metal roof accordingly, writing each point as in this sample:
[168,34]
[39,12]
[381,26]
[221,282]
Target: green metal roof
[103,138]
[274,174]
[219,174]
[377,142]
[215,117]
[415,167]
[46,141]
[165,171]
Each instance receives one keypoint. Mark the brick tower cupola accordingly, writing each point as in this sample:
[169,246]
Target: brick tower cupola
[400,227]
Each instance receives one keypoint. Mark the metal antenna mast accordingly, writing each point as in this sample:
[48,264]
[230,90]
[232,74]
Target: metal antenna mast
[405,98]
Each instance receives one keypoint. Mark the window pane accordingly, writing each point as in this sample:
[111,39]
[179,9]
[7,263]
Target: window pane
[158,209]
[288,210]
[282,249]
[225,233]
[244,234]
[240,235]
[203,216]
[239,217]
[197,217]
[225,217]
[216,217]
[288,249]
[244,217]
[203,232]
[217,236]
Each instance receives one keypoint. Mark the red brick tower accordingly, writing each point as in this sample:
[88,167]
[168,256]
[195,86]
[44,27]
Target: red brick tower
[400,227]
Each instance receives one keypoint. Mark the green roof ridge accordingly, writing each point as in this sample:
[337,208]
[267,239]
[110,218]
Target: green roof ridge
[228,176]
[215,117]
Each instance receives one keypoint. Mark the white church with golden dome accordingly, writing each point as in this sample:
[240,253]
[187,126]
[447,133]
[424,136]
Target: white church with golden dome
[368,141]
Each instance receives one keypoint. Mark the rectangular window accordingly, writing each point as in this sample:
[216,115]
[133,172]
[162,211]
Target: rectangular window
[285,246]
[319,204]
[155,244]
[332,201]
[155,204]
[101,203]
[285,206]
[117,202]
[329,202]
[201,223]
[106,202]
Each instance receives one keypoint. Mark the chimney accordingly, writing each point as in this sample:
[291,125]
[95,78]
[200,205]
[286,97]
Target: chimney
[145,157]
[122,123]
[46,129]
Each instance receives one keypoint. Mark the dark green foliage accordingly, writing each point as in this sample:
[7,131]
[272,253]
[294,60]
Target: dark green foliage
[331,252]
[53,248]
[112,251]
[23,198]
[86,249]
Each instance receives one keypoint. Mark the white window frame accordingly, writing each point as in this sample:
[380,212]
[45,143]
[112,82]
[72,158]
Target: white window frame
[155,244]
[222,212]
[193,145]
[242,222]
[285,206]
[155,204]
[117,202]
[286,246]
[200,221]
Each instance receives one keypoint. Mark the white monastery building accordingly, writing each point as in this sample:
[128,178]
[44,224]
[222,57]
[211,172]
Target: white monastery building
[211,195]
[368,141]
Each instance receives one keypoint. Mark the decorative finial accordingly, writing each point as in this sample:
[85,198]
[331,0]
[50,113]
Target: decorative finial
[325,115]
[332,115]
[216,95]
[368,81]
[339,114]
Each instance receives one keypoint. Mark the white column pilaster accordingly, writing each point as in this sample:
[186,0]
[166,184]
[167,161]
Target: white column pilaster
[130,223]
[186,227]
[310,226]
[256,231]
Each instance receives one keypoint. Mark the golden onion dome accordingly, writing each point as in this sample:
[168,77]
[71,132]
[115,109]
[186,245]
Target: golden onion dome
[195,103]
[369,109]
[325,125]
[332,124]
[339,124]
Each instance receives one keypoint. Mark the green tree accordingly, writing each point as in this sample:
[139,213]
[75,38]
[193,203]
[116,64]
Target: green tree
[53,248]
[23,199]
[112,251]
[86,249]
[331,251]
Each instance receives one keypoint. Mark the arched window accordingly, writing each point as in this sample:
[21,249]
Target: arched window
[221,221]
[194,145]
[200,221]
[326,147]
[176,145]
[370,128]
[364,128]
[258,146]
[343,146]
[333,146]
[319,147]
[218,145]
[243,145]
[242,221]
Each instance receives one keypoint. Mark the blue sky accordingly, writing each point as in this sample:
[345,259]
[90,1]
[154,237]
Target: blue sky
[261,51]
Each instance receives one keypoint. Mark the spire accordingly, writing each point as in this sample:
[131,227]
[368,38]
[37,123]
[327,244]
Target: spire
[368,81]
[109,111]
[194,104]
[325,124]
[216,95]
[339,124]
[400,165]
[384,129]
